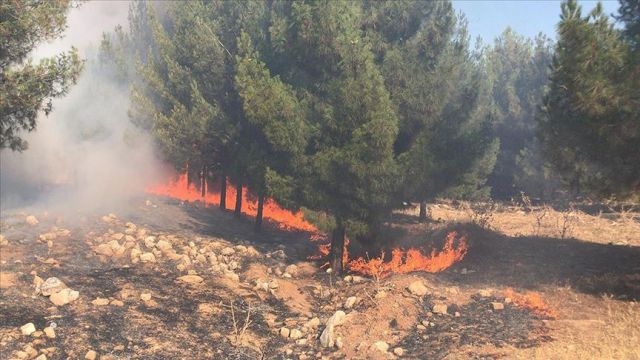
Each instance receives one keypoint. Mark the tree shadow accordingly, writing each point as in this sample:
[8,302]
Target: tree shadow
[531,262]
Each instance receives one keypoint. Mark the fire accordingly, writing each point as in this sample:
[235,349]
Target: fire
[531,300]
[182,190]
[413,259]
[401,261]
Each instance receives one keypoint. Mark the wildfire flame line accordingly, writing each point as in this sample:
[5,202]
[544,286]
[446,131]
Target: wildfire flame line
[180,189]
[401,261]
[531,300]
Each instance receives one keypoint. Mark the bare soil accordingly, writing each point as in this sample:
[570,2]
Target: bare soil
[585,267]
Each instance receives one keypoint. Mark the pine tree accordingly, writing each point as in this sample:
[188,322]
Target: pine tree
[26,88]
[591,126]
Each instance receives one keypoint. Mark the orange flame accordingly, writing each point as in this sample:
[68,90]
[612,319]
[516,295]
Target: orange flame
[182,190]
[531,300]
[413,260]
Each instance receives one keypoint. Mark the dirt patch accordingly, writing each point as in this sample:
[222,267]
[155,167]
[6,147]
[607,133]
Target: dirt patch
[7,280]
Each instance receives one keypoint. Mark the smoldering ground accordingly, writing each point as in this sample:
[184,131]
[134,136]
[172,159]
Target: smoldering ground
[86,155]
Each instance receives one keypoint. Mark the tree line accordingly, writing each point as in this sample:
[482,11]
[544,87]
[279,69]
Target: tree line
[349,108]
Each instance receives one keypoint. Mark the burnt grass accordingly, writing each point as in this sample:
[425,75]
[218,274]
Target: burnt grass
[477,325]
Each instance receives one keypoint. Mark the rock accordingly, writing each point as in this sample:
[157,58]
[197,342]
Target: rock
[292,270]
[327,338]
[350,302]
[3,240]
[117,303]
[191,279]
[37,334]
[484,292]
[398,351]
[164,245]
[497,306]
[439,309]
[339,342]
[100,302]
[304,342]
[145,296]
[91,355]
[28,329]
[418,288]
[295,334]
[103,249]
[52,285]
[41,357]
[336,318]
[348,278]
[381,346]
[64,297]
[147,257]
[507,300]
[228,251]
[31,220]
[150,241]
[51,334]
[313,323]
[21,355]
[135,255]
[117,236]
[284,332]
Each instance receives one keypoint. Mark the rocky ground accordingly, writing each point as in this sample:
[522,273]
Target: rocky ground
[176,281]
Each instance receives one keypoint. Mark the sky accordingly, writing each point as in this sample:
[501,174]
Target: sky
[488,18]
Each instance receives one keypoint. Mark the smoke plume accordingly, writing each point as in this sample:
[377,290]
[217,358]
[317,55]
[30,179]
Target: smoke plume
[86,155]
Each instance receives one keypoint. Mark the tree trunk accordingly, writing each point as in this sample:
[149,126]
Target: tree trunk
[223,192]
[423,211]
[337,248]
[238,210]
[258,226]
[203,181]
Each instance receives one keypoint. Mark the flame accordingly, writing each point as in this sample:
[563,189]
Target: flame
[530,300]
[180,189]
[413,260]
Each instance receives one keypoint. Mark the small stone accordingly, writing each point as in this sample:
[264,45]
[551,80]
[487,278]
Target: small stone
[90,355]
[191,279]
[31,220]
[164,245]
[37,334]
[302,341]
[51,334]
[497,306]
[291,269]
[148,257]
[348,278]
[228,251]
[398,351]
[418,288]
[117,303]
[350,302]
[41,357]
[28,329]
[484,292]
[21,355]
[100,302]
[381,346]
[439,309]
[150,241]
[295,334]
[507,300]
[456,314]
[52,285]
[64,297]
[313,323]
[31,351]
[145,296]
[421,327]
[104,249]
[284,332]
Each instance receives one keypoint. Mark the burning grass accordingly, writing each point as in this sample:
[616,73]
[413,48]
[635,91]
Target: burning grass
[403,262]
[180,189]
[531,300]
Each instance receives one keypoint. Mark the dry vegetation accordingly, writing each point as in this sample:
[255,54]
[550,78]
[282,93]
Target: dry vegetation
[184,282]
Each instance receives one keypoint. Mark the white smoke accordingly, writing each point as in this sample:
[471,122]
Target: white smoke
[86,155]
